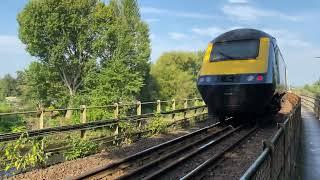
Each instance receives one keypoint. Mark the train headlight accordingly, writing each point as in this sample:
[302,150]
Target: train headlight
[201,80]
[250,78]
[208,79]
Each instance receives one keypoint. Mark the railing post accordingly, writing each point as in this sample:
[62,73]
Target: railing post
[158,106]
[116,116]
[173,104]
[138,108]
[196,102]
[318,108]
[139,112]
[41,123]
[83,117]
[116,110]
[185,105]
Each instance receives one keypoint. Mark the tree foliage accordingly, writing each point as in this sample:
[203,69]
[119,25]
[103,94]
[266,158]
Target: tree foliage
[175,74]
[8,87]
[88,51]
[42,86]
[59,34]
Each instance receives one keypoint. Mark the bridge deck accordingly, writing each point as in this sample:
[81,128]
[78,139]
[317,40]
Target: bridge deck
[308,164]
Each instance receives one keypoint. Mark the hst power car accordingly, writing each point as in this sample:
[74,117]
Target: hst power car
[243,72]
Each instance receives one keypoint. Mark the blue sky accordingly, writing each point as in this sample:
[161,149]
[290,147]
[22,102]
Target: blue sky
[191,24]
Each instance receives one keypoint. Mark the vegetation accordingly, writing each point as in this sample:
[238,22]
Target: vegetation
[23,153]
[158,125]
[85,48]
[175,73]
[80,148]
[8,87]
[312,89]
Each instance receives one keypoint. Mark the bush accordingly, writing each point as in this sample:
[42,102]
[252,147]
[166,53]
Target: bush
[4,107]
[23,153]
[80,148]
[10,123]
[158,125]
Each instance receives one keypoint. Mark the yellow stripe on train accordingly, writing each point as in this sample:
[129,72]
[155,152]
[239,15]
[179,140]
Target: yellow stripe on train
[258,65]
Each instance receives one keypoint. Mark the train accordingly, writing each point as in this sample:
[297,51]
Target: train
[243,73]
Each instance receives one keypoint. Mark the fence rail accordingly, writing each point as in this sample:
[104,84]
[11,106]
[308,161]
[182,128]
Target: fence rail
[313,103]
[114,109]
[90,125]
[278,157]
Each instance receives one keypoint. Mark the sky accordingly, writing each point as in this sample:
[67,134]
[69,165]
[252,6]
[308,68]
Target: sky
[189,25]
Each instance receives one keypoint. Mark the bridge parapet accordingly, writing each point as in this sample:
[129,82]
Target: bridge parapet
[279,155]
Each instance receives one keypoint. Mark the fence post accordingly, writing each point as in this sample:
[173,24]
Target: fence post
[158,106]
[41,123]
[83,118]
[185,105]
[116,110]
[318,108]
[139,112]
[139,108]
[116,116]
[173,104]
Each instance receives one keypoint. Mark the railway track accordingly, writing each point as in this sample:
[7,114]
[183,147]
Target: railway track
[196,150]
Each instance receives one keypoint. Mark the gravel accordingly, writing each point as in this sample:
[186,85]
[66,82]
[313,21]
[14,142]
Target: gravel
[75,167]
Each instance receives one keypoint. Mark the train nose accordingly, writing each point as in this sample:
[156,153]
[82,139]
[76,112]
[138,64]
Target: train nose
[233,99]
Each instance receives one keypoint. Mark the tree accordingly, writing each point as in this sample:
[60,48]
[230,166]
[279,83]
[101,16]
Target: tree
[8,86]
[124,62]
[41,86]
[59,33]
[175,74]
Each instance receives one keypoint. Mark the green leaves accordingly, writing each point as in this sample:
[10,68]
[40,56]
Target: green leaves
[175,74]
[23,153]
[80,148]
[87,51]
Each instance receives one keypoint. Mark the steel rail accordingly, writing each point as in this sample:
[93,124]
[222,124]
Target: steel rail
[216,157]
[172,154]
[145,152]
[170,166]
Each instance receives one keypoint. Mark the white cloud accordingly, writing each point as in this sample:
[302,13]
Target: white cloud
[249,13]
[152,10]
[286,38]
[238,1]
[177,36]
[210,31]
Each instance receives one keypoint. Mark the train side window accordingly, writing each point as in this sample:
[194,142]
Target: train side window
[276,65]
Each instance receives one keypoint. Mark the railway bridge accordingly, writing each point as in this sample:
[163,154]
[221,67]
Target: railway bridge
[203,150]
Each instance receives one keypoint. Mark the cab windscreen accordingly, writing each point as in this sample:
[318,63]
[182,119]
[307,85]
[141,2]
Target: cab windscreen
[235,50]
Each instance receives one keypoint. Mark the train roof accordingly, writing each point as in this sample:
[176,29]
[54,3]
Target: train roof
[241,34]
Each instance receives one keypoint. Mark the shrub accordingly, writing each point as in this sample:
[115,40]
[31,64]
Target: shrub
[80,148]
[158,125]
[23,153]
